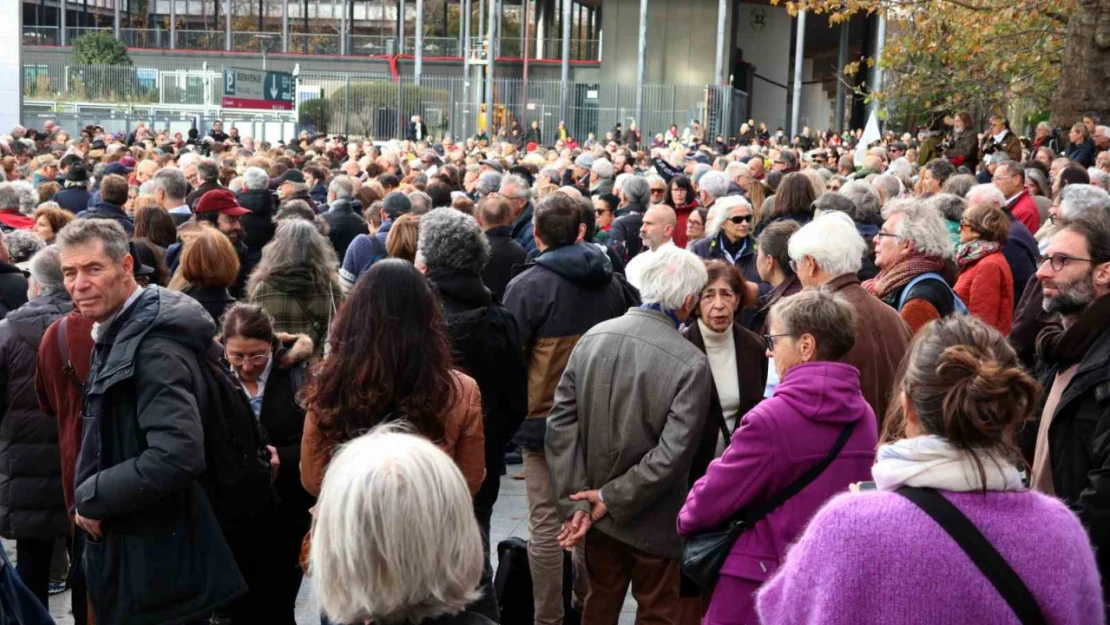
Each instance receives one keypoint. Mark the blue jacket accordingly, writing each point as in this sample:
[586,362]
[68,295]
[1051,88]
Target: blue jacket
[106,210]
[522,231]
[73,199]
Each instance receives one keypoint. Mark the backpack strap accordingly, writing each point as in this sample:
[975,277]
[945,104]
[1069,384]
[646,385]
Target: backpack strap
[982,553]
[63,351]
[914,282]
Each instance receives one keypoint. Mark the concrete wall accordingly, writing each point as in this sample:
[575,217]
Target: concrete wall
[11,65]
[767,47]
[681,41]
[817,107]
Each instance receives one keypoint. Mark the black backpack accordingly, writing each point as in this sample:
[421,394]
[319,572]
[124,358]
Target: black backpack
[238,478]
[513,585]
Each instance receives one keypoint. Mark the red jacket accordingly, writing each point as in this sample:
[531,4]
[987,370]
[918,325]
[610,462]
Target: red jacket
[987,289]
[60,395]
[1025,210]
[12,218]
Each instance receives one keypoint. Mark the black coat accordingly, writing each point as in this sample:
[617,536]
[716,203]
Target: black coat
[163,557]
[13,288]
[624,233]
[259,225]
[107,210]
[31,502]
[344,224]
[215,301]
[487,348]
[195,196]
[505,253]
[410,131]
[1083,153]
[73,199]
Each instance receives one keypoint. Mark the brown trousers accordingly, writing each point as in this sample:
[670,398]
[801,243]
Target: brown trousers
[611,565]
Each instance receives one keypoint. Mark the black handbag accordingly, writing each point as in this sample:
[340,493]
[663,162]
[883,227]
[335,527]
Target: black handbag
[705,554]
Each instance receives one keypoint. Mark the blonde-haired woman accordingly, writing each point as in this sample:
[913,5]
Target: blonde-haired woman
[395,540]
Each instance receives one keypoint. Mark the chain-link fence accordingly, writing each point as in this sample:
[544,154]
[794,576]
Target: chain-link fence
[379,106]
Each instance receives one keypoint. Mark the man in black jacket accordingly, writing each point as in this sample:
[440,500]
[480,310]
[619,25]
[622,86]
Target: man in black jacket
[208,173]
[1071,454]
[495,215]
[258,226]
[13,284]
[155,552]
[416,130]
[113,195]
[624,233]
[344,221]
[75,196]
[452,252]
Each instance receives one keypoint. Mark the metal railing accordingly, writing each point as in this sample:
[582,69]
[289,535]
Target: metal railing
[376,105]
[302,43]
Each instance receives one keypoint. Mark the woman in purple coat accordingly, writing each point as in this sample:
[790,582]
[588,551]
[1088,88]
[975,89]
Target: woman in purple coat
[778,441]
[875,557]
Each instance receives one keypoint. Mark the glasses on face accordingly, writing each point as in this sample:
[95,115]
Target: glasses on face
[658,191]
[769,340]
[257,359]
[740,219]
[965,224]
[1059,261]
[887,234]
[601,211]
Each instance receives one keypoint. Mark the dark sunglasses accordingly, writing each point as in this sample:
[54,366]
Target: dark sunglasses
[654,191]
[602,211]
[769,340]
[739,219]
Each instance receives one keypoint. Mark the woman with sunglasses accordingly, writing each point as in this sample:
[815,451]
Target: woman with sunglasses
[604,205]
[985,284]
[817,407]
[729,237]
[271,368]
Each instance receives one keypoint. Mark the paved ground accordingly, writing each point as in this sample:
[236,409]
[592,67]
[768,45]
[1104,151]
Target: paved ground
[509,519]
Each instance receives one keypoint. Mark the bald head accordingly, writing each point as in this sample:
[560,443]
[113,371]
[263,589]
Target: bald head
[658,226]
[571,191]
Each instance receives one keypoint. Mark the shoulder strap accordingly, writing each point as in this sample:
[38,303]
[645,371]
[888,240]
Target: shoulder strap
[982,553]
[752,515]
[63,351]
[914,282]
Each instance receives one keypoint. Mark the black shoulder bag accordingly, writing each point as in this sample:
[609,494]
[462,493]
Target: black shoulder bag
[982,553]
[705,554]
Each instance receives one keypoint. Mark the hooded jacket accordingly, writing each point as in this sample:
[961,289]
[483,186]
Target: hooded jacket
[31,501]
[776,442]
[555,300]
[624,232]
[344,224]
[163,558]
[259,225]
[13,288]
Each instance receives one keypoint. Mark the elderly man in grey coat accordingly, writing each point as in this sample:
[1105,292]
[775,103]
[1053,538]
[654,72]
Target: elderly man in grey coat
[620,439]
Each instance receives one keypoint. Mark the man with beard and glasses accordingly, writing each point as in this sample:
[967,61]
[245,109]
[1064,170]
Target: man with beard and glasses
[1072,450]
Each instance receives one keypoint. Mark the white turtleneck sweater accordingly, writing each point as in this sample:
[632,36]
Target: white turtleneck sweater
[720,348]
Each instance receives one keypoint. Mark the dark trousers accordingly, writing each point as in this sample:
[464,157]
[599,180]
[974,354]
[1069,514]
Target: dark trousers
[79,590]
[268,556]
[611,565]
[32,563]
[486,605]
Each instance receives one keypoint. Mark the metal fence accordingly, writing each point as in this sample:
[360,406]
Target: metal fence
[303,43]
[376,105]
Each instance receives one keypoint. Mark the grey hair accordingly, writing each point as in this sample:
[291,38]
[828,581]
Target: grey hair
[488,182]
[84,231]
[830,201]
[949,205]
[297,246]
[46,269]
[172,182]
[982,194]
[420,202]
[922,224]
[700,170]
[719,213]
[959,184]
[602,168]
[1102,131]
[9,197]
[832,241]
[618,184]
[551,173]
[636,190]
[22,245]
[670,276]
[890,185]
[1098,177]
[715,183]
[255,178]
[1047,126]
[1084,201]
[393,502]
[736,168]
[869,207]
[450,238]
[208,170]
[28,196]
[523,189]
[822,313]
[343,188]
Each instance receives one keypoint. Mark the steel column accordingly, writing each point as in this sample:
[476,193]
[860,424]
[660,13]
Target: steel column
[489,68]
[799,57]
[876,82]
[841,61]
[641,63]
[722,13]
[418,66]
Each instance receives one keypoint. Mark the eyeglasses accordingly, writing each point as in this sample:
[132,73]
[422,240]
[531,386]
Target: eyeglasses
[740,219]
[888,234]
[655,191]
[602,211]
[964,224]
[1059,261]
[769,340]
[257,360]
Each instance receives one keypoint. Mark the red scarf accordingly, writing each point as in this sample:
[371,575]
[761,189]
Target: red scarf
[900,273]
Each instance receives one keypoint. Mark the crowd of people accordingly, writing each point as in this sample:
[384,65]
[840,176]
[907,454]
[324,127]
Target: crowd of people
[752,379]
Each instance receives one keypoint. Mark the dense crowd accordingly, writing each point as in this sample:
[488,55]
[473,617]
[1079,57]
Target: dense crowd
[757,379]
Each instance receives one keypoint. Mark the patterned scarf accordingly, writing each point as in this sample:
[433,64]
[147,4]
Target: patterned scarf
[898,275]
[968,253]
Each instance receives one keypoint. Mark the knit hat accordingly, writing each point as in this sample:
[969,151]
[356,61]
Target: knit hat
[220,201]
[585,161]
[396,203]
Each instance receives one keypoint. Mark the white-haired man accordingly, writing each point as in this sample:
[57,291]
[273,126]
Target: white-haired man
[601,177]
[632,498]
[829,251]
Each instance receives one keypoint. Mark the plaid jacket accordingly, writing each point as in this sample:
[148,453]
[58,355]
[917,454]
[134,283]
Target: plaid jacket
[305,310]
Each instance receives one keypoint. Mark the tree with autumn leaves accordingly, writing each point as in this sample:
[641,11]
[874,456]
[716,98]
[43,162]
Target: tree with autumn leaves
[1031,56]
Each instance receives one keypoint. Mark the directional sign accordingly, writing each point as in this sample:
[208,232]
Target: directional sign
[255,89]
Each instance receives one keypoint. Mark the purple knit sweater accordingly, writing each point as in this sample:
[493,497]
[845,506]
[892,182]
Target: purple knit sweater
[874,558]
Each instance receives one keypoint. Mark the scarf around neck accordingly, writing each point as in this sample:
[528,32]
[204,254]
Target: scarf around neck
[900,273]
[972,251]
[932,462]
[1065,347]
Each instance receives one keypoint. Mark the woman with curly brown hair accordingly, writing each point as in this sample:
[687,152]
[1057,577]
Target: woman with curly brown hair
[391,361]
